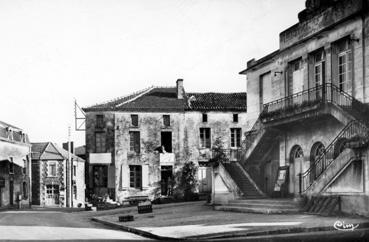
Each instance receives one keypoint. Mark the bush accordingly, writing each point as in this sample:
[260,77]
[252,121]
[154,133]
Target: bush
[187,182]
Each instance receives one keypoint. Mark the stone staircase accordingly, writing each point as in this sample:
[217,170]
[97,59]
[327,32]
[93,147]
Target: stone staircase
[264,206]
[243,180]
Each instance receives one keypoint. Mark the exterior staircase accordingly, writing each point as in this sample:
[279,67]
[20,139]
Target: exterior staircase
[264,206]
[243,180]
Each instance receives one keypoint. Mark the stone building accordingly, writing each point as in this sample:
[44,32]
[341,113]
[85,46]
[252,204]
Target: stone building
[135,144]
[57,183]
[15,167]
[308,102]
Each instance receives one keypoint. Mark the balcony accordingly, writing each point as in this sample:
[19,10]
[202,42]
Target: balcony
[305,102]
[166,159]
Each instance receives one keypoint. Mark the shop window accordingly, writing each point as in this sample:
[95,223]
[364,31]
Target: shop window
[100,173]
[135,176]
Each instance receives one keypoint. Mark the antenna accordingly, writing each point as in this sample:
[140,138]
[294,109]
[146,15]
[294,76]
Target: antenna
[79,117]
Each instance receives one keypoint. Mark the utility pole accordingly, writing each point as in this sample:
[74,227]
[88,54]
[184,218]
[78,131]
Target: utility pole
[68,175]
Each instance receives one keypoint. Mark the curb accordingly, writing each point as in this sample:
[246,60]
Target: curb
[135,231]
[283,231]
[224,235]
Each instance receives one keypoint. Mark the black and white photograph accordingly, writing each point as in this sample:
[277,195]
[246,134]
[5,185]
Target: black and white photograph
[184,120]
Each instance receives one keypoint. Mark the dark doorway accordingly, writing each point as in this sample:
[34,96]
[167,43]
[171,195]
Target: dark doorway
[166,141]
[166,180]
[11,192]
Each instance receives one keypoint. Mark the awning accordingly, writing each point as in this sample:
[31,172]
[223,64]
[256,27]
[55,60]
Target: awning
[100,158]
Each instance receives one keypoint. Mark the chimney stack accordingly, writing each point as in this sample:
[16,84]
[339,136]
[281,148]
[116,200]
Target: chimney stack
[180,90]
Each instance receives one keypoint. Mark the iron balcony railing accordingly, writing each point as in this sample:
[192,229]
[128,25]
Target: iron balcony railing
[316,169]
[12,135]
[327,93]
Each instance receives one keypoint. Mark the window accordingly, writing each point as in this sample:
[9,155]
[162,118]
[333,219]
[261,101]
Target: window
[344,64]
[100,176]
[134,120]
[75,192]
[100,121]
[52,169]
[235,118]
[166,120]
[205,138]
[134,141]
[235,137]
[319,68]
[100,142]
[11,166]
[204,118]
[74,170]
[135,177]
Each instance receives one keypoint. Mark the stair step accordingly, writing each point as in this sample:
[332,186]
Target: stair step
[256,210]
[261,205]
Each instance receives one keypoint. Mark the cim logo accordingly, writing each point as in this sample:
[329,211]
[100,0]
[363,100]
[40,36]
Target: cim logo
[340,225]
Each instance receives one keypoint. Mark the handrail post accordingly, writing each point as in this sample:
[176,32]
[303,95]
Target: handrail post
[300,183]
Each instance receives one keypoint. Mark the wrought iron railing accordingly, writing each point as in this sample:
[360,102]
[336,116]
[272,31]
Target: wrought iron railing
[327,93]
[316,169]
[13,135]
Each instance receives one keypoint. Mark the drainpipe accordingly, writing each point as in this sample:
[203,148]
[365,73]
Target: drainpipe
[363,47]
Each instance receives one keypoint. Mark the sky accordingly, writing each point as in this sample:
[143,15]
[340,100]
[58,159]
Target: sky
[52,52]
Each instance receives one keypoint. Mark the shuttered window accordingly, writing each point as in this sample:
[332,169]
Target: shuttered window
[134,120]
[100,140]
[134,141]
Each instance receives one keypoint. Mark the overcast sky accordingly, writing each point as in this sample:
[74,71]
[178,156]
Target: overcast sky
[94,50]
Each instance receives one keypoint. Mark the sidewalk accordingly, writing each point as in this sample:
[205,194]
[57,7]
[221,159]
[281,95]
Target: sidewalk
[198,221]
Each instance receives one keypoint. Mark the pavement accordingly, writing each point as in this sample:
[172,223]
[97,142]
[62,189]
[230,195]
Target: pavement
[58,225]
[197,221]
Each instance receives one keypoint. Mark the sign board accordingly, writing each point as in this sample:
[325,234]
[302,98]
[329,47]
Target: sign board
[2,182]
[100,158]
[282,175]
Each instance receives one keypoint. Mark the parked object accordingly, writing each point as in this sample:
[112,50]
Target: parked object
[144,207]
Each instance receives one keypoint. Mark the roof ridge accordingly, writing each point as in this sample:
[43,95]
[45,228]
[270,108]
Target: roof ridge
[136,96]
[121,97]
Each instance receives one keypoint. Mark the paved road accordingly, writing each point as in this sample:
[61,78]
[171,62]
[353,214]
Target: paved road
[54,225]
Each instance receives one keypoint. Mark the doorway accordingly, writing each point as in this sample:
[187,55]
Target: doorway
[204,174]
[52,195]
[166,141]
[166,180]
[11,192]
[296,167]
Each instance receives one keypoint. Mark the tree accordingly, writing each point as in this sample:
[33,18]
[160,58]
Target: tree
[187,181]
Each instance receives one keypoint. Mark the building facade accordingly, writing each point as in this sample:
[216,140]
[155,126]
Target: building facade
[308,102]
[56,182]
[135,144]
[15,167]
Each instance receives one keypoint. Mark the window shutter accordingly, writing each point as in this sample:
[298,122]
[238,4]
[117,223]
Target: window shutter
[125,176]
[145,176]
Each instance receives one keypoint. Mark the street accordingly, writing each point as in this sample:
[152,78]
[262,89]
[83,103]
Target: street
[57,225]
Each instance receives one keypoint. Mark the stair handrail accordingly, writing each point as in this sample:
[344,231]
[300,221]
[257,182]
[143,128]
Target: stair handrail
[322,162]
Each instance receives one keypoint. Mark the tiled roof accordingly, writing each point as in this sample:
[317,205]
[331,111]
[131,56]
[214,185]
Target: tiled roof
[216,101]
[164,99]
[50,151]
[159,99]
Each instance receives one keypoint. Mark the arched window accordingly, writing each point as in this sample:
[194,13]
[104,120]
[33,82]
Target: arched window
[296,152]
[316,151]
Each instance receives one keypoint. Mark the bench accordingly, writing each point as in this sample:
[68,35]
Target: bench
[134,200]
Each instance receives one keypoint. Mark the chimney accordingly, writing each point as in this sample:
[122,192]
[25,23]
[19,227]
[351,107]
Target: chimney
[180,90]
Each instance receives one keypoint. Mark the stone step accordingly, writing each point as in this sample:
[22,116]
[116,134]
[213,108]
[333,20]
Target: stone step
[266,202]
[263,210]
[263,205]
